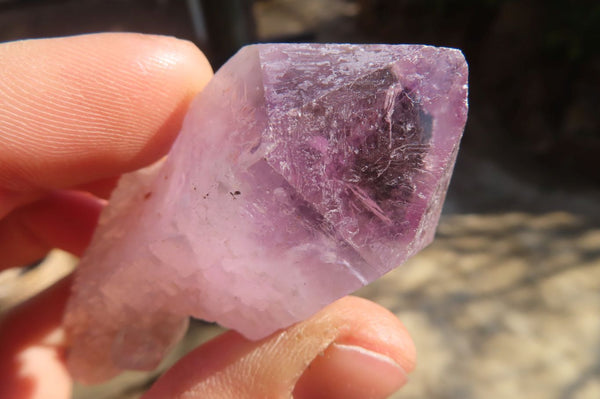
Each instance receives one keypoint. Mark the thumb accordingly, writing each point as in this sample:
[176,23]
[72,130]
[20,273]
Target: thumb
[351,349]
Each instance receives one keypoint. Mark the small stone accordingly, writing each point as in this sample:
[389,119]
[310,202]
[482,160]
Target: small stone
[302,172]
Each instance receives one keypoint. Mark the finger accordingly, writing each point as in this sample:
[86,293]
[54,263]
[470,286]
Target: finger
[352,337]
[62,219]
[31,352]
[102,188]
[84,108]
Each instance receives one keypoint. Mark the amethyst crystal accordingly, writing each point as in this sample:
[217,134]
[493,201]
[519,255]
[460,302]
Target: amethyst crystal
[302,172]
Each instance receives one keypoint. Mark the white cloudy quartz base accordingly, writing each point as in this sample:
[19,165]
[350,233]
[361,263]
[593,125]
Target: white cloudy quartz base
[302,172]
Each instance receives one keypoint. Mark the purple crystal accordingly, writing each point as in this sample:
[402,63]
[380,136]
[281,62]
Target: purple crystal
[302,172]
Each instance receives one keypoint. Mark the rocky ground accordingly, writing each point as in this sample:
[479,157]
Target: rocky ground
[502,305]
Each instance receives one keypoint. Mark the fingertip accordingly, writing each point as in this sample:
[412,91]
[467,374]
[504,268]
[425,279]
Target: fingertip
[84,108]
[376,329]
[190,62]
[350,372]
[370,357]
[352,347]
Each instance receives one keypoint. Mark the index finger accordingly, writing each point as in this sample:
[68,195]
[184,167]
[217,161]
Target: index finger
[84,108]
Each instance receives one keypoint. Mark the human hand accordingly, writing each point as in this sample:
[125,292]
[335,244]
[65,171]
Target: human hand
[77,112]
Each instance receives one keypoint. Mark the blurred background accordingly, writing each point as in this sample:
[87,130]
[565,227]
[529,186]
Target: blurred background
[506,301]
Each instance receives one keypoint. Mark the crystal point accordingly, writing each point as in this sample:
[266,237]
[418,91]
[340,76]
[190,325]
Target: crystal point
[302,172]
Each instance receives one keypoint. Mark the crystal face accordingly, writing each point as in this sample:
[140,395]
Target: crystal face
[302,172]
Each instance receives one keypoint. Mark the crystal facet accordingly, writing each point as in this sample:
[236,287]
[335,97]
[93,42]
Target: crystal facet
[302,172]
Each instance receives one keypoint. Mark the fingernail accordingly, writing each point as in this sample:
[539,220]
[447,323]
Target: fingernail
[349,371]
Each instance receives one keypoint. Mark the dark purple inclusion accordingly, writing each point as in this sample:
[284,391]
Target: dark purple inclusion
[385,162]
[376,137]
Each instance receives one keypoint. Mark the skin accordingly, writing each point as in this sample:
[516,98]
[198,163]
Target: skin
[75,114]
